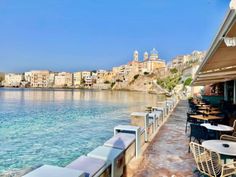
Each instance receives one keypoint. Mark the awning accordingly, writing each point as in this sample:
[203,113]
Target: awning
[219,64]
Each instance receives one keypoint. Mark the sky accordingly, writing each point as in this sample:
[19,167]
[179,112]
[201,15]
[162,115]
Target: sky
[75,35]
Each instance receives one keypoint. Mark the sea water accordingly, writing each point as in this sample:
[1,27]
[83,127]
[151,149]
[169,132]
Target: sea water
[39,126]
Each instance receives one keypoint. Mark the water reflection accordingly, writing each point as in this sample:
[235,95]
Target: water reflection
[56,126]
[58,95]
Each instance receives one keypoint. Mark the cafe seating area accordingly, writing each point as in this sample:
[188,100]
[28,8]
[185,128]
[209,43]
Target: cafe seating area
[212,138]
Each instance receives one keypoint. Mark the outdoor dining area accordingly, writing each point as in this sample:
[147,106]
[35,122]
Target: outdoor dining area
[211,113]
[212,142]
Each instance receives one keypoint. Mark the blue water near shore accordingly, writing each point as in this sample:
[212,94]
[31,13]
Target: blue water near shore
[57,126]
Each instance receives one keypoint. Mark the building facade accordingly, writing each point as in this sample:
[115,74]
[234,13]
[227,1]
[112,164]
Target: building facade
[13,79]
[63,79]
[40,78]
[77,76]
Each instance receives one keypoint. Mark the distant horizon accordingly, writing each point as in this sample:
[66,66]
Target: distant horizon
[89,35]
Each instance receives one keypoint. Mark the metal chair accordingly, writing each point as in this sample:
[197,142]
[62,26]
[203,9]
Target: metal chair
[198,132]
[209,162]
[190,120]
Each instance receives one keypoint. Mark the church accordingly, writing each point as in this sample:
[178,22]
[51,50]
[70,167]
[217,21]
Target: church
[149,63]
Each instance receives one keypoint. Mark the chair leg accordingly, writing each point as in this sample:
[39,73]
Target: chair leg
[186,126]
[189,145]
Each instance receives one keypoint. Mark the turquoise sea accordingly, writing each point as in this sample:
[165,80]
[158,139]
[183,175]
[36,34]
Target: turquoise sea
[57,126]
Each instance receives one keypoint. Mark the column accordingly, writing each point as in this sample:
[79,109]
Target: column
[234,101]
[225,92]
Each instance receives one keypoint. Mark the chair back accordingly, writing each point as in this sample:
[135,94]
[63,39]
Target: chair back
[208,162]
[234,126]
[192,107]
[189,118]
[198,132]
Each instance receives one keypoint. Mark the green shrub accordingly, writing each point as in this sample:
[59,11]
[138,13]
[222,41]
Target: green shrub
[188,81]
[173,71]
[169,82]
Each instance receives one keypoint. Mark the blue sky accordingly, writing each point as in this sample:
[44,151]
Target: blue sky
[72,35]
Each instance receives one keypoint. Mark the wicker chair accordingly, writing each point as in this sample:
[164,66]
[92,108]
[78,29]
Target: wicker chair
[228,138]
[209,162]
[234,126]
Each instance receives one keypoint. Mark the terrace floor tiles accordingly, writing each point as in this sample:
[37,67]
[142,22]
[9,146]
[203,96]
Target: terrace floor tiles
[167,155]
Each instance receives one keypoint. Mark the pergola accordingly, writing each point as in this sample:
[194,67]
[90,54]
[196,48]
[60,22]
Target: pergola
[219,64]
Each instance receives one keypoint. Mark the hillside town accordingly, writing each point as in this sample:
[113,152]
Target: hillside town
[140,74]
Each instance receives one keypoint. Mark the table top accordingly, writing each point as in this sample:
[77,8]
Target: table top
[210,113]
[219,127]
[202,104]
[217,146]
[54,171]
[207,107]
[209,117]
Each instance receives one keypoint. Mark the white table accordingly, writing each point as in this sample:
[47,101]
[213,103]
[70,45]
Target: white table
[54,171]
[219,127]
[217,146]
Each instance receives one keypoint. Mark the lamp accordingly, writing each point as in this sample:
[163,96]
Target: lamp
[232,5]
[230,41]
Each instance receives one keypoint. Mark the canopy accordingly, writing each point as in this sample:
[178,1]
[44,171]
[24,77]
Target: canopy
[219,64]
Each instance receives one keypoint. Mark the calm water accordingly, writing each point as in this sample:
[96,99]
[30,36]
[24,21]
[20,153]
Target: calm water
[56,126]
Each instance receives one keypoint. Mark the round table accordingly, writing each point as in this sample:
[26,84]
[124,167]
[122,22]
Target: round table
[210,112]
[207,118]
[219,127]
[217,146]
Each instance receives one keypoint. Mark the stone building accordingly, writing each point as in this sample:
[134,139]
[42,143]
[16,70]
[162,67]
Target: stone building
[183,60]
[39,78]
[63,79]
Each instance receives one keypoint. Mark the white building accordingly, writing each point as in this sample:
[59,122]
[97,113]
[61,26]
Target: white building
[28,76]
[39,78]
[77,76]
[85,74]
[88,81]
[51,79]
[64,79]
[13,80]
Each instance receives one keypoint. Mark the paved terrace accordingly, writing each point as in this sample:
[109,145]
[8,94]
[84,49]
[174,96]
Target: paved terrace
[167,155]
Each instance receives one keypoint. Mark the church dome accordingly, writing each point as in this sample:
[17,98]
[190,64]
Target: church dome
[154,54]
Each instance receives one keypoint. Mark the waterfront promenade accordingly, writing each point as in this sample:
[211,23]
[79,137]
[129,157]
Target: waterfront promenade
[167,155]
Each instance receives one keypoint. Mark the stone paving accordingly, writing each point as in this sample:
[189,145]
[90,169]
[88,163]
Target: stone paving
[167,155]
